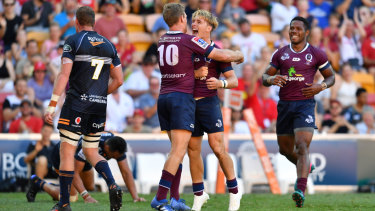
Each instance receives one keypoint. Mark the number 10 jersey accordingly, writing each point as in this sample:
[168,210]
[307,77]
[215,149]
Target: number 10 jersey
[93,57]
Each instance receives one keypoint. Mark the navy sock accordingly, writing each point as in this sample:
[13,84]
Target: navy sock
[39,182]
[103,169]
[176,184]
[198,188]
[164,185]
[232,186]
[65,178]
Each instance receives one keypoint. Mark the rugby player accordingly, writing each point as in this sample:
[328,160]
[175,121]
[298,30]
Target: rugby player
[176,105]
[208,117]
[110,146]
[297,63]
[89,60]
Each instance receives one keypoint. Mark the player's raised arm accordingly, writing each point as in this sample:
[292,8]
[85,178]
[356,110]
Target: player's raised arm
[127,175]
[226,55]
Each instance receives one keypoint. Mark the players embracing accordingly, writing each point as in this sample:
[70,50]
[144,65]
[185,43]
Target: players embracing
[297,63]
[176,103]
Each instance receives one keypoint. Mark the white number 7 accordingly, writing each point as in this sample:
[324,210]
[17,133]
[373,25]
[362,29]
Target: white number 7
[99,65]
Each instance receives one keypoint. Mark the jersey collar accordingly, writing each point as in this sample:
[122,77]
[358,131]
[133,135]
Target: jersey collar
[307,45]
[174,32]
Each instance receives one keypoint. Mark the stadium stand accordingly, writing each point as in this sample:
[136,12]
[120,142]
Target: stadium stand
[366,80]
[134,23]
[259,23]
[150,20]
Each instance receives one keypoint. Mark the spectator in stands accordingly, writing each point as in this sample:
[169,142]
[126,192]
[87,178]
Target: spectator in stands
[121,6]
[268,110]
[159,23]
[284,38]
[7,73]
[66,19]
[41,83]
[23,65]
[316,37]
[138,83]
[322,100]
[263,60]
[136,123]
[367,125]
[148,103]
[11,105]
[331,41]
[152,50]
[336,123]
[90,3]
[366,18]
[18,49]
[239,126]
[110,24]
[346,7]
[368,49]
[250,42]
[354,113]
[321,10]
[10,23]
[282,13]
[17,6]
[38,154]
[206,5]
[350,42]
[190,8]
[144,7]
[49,47]
[231,15]
[36,15]
[304,11]
[345,87]
[27,123]
[125,49]
[120,107]
[55,63]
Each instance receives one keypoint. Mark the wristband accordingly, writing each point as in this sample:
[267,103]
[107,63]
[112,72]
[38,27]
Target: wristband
[84,194]
[222,83]
[269,80]
[225,84]
[324,86]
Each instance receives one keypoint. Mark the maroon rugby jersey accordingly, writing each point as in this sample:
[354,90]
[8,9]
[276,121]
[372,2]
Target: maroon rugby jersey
[215,68]
[299,67]
[176,52]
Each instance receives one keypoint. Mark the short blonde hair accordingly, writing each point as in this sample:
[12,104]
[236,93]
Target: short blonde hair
[207,16]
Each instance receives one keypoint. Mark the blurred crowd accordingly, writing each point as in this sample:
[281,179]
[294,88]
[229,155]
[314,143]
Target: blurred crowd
[32,34]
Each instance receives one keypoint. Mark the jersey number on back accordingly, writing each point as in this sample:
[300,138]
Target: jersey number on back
[99,65]
[171,55]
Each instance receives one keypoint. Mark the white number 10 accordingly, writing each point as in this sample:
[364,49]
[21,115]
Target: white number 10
[99,65]
[171,55]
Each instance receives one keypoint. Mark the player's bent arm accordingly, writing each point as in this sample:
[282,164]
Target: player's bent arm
[225,55]
[231,78]
[329,78]
[127,175]
[117,79]
[268,74]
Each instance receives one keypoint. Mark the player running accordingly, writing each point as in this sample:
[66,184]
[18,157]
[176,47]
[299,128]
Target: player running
[176,104]
[110,146]
[298,63]
[208,116]
[88,61]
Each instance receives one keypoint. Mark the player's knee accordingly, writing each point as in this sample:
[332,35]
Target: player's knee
[301,148]
[285,152]
[42,161]
[219,151]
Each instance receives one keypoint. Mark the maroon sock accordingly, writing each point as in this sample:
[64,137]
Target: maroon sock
[176,184]
[164,185]
[301,184]
[232,186]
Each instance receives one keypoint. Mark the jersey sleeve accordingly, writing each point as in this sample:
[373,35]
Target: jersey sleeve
[123,157]
[6,104]
[322,58]
[199,46]
[275,59]
[225,66]
[69,50]
[115,58]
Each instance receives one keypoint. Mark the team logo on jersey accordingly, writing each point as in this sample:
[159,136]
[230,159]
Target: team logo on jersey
[201,43]
[309,119]
[196,60]
[67,48]
[84,97]
[285,56]
[308,58]
[77,120]
[296,59]
[219,123]
[293,76]
[96,43]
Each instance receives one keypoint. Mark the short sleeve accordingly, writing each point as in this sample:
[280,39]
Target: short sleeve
[115,59]
[123,157]
[31,147]
[69,50]
[225,66]
[275,59]
[6,104]
[322,62]
[199,46]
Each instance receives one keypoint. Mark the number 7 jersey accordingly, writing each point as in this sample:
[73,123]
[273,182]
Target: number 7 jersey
[176,52]
[93,57]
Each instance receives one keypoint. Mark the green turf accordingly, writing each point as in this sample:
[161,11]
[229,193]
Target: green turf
[339,202]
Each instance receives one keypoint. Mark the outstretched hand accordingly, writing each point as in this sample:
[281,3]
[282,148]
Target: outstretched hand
[311,90]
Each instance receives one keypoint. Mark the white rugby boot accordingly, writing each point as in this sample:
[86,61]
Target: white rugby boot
[199,201]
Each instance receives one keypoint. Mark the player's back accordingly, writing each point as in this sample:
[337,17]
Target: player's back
[176,54]
[92,56]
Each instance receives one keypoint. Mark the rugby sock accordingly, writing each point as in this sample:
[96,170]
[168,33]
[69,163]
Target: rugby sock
[176,184]
[65,178]
[198,188]
[38,182]
[232,186]
[103,169]
[164,185]
[301,184]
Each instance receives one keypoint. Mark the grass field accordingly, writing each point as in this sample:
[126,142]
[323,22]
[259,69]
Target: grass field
[339,202]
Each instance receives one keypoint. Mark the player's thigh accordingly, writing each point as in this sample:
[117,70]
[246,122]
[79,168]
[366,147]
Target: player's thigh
[285,113]
[216,141]
[88,179]
[195,145]
[304,118]
[286,143]
[303,138]
[208,113]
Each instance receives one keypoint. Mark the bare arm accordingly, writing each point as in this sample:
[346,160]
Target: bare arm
[231,77]
[150,111]
[128,178]
[9,114]
[219,6]
[225,55]
[117,79]
[78,183]
[3,25]
[231,81]
[136,93]
[343,7]
[342,29]
[10,68]
[270,78]
[313,89]
[361,29]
